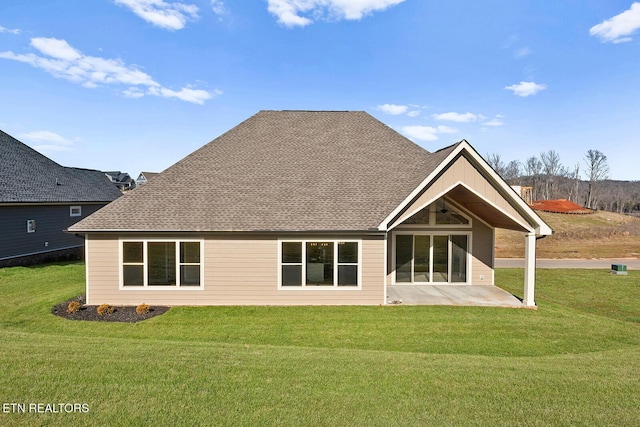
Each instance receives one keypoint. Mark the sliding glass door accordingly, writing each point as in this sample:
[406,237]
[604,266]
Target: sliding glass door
[458,258]
[428,258]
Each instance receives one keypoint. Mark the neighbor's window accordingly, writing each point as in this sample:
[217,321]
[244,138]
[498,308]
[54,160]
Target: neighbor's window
[161,263]
[319,263]
[75,211]
[31,226]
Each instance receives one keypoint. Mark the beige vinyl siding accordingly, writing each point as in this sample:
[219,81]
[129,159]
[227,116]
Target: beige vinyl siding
[101,257]
[482,254]
[238,270]
[462,171]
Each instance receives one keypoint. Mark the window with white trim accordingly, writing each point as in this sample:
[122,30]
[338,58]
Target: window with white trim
[319,263]
[31,226]
[169,263]
[75,211]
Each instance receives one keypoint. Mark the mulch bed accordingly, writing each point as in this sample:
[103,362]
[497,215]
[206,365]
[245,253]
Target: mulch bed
[125,314]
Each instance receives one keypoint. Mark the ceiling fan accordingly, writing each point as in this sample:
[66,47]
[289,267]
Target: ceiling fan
[444,206]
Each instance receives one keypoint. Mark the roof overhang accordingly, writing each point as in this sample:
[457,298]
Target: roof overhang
[473,201]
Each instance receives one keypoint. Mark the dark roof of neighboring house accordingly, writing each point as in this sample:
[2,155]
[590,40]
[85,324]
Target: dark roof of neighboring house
[27,176]
[280,171]
[119,176]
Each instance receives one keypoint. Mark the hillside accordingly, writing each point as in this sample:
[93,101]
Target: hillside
[598,235]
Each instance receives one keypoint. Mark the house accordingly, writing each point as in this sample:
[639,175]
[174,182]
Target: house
[122,180]
[305,207]
[144,177]
[39,199]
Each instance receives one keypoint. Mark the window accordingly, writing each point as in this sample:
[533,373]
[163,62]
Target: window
[427,258]
[440,212]
[161,264]
[31,226]
[313,264]
[75,211]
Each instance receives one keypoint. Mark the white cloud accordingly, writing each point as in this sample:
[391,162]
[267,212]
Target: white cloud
[170,16]
[218,7]
[55,48]
[410,110]
[63,61]
[393,109]
[426,133]
[133,92]
[289,12]
[7,30]
[197,96]
[525,89]
[446,129]
[457,117]
[47,141]
[619,28]
[422,133]
[494,123]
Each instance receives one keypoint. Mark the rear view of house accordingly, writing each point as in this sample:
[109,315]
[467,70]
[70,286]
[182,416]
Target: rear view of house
[39,199]
[305,207]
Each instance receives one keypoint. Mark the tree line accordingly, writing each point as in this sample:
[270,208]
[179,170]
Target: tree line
[586,184]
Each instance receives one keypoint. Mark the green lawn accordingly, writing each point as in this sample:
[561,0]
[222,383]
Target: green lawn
[575,361]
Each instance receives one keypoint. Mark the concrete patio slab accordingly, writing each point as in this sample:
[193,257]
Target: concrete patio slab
[463,295]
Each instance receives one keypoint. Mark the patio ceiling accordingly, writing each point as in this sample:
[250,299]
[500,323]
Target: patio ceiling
[482,209]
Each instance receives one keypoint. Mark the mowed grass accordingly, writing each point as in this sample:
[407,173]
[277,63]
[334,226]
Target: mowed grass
[574,361]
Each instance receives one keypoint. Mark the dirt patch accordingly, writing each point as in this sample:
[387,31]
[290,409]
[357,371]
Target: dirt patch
[560,206]
[125,314]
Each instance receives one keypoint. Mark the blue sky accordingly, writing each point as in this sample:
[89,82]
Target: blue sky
[135,85]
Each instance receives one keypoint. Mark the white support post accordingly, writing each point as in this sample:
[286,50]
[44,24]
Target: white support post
[529,270]
[386,272]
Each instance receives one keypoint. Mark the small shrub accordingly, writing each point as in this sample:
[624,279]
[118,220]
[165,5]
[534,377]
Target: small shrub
[73,307]
[143,308]
[105,309]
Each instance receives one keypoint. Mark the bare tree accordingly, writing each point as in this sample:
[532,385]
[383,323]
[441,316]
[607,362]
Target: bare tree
[552,168]
[597,170]
[533,168]
[495,161]
[512,172]
[575,184]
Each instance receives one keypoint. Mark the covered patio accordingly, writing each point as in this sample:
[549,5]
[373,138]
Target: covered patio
[460,295]
[447,235]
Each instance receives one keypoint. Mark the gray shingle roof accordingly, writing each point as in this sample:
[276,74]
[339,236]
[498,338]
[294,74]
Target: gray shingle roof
[27,176]
[280,171]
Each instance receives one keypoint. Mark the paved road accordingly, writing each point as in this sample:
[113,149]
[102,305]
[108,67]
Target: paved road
[632,264]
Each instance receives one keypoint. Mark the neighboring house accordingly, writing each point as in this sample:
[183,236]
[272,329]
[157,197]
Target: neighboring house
[300,207]
[144,177]
[122,180]
[39,199]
